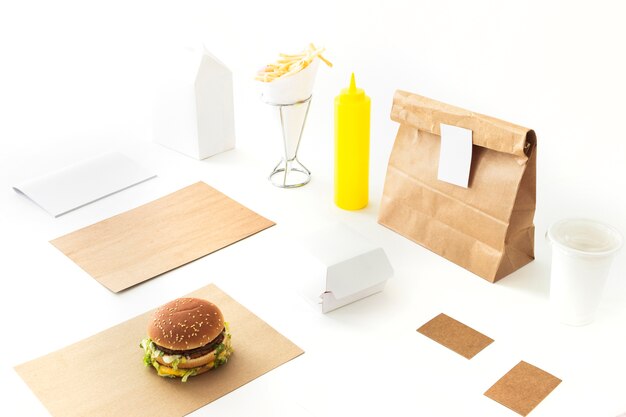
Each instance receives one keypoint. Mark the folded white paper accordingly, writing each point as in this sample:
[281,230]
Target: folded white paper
[351,267]
[77,185]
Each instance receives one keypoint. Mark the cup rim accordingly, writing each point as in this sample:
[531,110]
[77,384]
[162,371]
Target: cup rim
[551,238]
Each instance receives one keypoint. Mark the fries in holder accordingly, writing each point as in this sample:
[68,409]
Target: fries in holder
[287,85]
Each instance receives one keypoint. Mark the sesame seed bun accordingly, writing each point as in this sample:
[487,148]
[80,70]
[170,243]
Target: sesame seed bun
[185,324]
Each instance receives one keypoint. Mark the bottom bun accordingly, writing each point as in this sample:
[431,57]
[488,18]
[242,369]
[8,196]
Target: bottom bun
[181,373]
[190,363]
[176,366]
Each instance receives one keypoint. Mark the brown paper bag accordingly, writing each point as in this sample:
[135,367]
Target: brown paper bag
[486,228]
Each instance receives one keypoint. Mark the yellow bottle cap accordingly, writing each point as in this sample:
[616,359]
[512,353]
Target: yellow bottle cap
[352,92]
[352,89]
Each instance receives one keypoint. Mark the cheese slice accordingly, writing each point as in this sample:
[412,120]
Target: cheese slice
[167,371]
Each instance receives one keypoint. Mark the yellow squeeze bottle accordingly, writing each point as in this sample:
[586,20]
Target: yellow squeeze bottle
[352,148]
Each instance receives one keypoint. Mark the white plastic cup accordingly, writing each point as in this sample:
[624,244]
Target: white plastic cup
[582,253]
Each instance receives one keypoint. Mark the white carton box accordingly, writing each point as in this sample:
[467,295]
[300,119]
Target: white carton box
[193,106]
[350,267]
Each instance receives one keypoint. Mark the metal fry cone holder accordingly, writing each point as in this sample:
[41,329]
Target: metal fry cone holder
[289,172]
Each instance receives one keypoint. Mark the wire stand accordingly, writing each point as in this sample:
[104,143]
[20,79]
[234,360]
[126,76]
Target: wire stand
[289,172]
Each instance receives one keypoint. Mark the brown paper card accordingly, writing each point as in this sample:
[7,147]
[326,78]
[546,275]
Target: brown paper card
[144,242]
[523,388]
[455,335]
[486,228]
[104,375]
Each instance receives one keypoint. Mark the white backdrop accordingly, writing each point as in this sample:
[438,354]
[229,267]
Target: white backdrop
[76,80]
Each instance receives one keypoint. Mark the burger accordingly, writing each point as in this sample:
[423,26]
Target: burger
[186,337]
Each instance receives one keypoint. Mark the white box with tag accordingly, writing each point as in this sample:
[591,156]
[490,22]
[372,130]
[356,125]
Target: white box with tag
[349,267]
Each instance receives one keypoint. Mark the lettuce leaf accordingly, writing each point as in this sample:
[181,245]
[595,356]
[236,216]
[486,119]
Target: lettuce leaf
[222,353]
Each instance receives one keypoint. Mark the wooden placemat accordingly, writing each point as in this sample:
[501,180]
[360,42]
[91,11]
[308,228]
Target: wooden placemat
[149,240]
[104,375]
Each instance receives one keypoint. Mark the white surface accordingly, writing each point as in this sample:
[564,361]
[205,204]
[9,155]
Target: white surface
[582,254]
[76,79]
[350,267]
[83,182]
[455,155]
[193,102]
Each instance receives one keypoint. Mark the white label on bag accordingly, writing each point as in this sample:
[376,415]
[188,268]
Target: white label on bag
[455,155]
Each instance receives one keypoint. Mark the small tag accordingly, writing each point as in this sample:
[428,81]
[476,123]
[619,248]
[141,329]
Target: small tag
[455,335]
[455,155]
[523,388]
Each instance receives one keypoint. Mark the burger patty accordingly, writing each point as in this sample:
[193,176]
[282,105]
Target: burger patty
[197,352]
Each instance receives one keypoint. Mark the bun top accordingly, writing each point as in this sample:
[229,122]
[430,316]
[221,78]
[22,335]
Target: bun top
[185,324]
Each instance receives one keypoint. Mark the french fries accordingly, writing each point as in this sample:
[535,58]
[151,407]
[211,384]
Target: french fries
[289,64]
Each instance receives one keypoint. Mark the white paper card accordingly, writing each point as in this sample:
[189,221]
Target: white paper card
[75,186]
[455,155]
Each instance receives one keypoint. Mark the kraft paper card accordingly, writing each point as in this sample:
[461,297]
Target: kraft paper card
[455,335]
[104,375]
[87,181]
[157,237]
[523,388]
